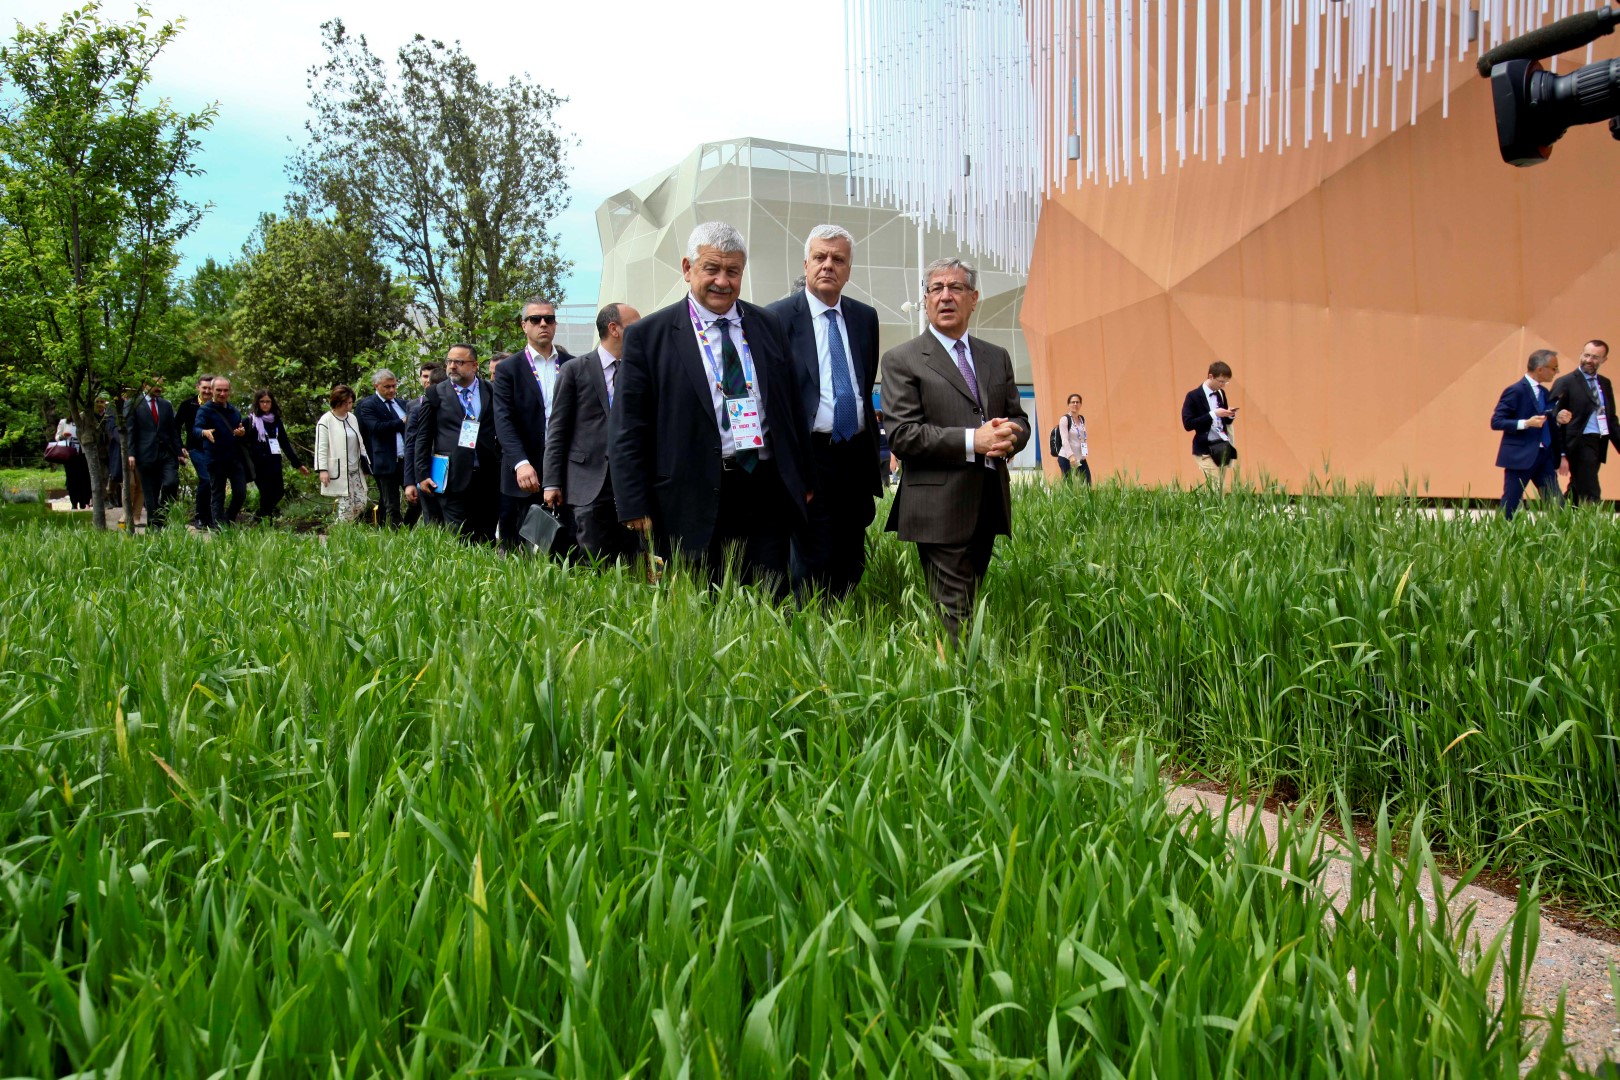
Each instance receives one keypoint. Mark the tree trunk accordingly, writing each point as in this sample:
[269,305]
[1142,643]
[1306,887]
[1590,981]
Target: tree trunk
[93,447]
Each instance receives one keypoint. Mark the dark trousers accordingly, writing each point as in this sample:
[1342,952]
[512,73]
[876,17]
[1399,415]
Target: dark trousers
[1583,453]
[752,529]
[829,549]
[220,474]
[598,531]
[1081,472]
[159,487]
[514,508]
[474,510]
[954,572]
[203,515]
[1543,474]
[272,485]
[389,487]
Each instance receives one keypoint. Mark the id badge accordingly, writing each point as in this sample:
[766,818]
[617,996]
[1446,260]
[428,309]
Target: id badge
[275,447]
[747,433]
[1603,425]
[469,434]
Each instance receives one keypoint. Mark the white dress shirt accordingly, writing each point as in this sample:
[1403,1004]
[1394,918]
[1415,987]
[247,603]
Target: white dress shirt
[711,334]
[399,414]
[545,373]
[824,361]
[950,354]
[1534,386]
[1217,426]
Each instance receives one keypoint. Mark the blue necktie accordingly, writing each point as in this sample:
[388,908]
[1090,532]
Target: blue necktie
[465,393]
[845,418]
[1541,404]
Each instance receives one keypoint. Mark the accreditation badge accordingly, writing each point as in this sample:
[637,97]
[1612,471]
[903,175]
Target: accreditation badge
[469,434]
[747,433]
[275,447]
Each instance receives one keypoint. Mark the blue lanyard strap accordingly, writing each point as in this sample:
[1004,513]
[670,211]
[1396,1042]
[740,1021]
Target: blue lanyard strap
[708,350]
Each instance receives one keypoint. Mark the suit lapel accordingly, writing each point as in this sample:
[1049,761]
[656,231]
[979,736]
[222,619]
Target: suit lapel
[688,355]
[804,344]
[940,362]
[745,312]
[595,376]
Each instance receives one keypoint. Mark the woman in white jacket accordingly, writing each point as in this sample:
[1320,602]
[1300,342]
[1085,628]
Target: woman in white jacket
[340,456]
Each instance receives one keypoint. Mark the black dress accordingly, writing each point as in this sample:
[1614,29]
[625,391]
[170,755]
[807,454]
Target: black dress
[78,476]
[267,467]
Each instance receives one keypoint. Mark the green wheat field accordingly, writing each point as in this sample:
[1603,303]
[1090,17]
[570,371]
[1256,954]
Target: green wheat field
[386,806]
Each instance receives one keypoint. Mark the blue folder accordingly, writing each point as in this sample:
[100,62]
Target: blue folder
[441,470]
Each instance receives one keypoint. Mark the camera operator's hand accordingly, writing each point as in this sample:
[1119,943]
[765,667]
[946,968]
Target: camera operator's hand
[1537,421]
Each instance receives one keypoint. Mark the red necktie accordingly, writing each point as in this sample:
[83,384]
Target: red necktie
[152,403]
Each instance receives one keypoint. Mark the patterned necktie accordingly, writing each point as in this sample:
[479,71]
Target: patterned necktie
[465,393]
[733,384]
[612,377]
[966,369]
[845,418]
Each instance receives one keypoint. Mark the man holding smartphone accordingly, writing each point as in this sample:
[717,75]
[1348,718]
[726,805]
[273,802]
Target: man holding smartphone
[1207,415]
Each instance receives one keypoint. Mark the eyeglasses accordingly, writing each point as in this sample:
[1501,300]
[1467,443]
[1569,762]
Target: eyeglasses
[955,288]
[540,320]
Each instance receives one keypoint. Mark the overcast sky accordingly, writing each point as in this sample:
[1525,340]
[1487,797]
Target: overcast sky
[646,82]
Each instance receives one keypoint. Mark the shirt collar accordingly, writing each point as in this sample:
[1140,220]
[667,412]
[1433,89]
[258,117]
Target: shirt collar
[948,342]
[818,309]
[1531,379]
[606,357]
[535,357]
[708,317]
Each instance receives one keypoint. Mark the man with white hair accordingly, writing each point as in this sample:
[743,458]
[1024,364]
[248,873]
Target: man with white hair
[834,343]
[709,451]
[382,425]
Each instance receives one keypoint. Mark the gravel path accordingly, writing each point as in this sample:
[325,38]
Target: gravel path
[1565,959]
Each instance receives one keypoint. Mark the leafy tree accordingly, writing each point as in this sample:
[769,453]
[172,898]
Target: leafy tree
[458,178]
[206,301]
[90,210]
[313,305]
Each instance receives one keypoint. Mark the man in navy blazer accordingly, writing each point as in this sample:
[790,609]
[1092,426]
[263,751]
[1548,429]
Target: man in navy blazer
[833,340]
[457,411]
[525,387]
[382,424]
[1528,419]
[709,452]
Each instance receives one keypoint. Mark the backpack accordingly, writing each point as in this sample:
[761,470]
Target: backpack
[1055,443]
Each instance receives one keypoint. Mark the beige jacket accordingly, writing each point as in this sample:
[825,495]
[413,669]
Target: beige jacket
[333,454]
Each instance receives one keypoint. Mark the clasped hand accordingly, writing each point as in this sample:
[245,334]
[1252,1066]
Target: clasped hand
[996,438]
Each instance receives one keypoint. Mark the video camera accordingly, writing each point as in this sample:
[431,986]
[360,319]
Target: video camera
[1534,107]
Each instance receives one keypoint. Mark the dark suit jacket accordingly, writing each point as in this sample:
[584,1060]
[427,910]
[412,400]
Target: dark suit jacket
[1196,418]
[1520,448]
[1572,392]
[520,418]
[437,430]
[861,325]
[186,417]
[274,429]
[926,405]
[152,444]
[664,452]
[408,466]
[378,426]
[577,432]
[222,420]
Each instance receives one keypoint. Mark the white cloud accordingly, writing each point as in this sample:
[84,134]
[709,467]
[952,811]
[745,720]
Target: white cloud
[647,80]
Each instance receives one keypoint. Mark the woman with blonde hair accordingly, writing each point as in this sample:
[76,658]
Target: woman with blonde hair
[340,456]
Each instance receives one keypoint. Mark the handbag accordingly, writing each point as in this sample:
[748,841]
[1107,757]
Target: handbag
[62,451]
[543,531]
[1222,452]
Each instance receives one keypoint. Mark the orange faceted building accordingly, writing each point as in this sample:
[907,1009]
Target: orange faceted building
[1372,294]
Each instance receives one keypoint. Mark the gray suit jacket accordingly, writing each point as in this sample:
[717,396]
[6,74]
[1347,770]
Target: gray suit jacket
[577,432]
[926,406]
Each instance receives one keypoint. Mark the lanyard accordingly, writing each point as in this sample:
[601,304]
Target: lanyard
[534,364]
[708,350]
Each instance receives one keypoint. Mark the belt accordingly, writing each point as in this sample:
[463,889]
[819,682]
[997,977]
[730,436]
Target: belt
[824,438]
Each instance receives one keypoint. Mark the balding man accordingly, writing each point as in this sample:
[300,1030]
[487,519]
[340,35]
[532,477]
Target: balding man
[834,342]
[709,451]
[955,419]
[576,473]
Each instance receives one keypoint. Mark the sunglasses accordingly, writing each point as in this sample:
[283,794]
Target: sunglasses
[540,320]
